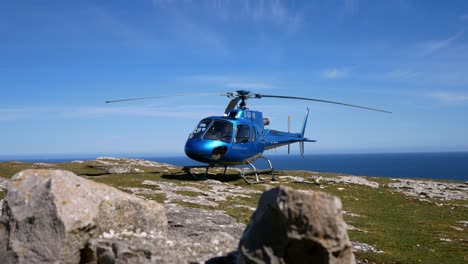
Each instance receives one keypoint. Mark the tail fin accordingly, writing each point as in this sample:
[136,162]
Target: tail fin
[305,122]
[289,127]
[301,144]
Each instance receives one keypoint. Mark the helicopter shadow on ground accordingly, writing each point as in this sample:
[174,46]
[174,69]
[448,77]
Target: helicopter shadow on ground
[94,174]
[184,176]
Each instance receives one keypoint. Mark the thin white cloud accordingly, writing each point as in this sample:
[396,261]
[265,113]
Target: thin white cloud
[8,115]
[271,11]
[400,74]
[163,3]
[464,17]
[42,113]
[183,26]
[450,97]
[200,36]
[19,113]
[237,82]
[194,25]
[181,112]
[252,85]
[207,78]
[274,11]
[126,33]
[351,7]
[335,73]
[430,47]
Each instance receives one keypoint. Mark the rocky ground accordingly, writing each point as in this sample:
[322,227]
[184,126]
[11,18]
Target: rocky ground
[193,236]
[430,189]
[3,183]
[206,218]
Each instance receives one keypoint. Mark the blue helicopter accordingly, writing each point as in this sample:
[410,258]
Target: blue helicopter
[239,136]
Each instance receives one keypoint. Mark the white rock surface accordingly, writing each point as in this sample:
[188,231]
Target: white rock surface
[431,189]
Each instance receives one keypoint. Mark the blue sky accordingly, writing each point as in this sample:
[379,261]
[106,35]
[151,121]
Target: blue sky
[61,60]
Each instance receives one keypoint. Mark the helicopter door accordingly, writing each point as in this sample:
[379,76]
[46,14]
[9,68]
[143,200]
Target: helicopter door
[242,134]
[254,134]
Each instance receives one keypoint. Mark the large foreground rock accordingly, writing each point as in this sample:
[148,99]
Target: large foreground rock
[48,216]
[296,227]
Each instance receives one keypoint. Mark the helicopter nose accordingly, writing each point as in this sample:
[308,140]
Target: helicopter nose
[204,150]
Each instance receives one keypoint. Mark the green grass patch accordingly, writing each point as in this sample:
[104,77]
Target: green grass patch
[9,169]
[189,193]
[158,197]
[127,180]
[241,214]
[196,205]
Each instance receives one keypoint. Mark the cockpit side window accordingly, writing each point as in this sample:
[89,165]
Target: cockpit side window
[219,130]
[243,134]
[200,129]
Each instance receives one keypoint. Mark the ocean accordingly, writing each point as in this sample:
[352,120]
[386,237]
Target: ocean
[443,166]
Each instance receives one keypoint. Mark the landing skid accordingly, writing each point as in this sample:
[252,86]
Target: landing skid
[242,174]
[187,169]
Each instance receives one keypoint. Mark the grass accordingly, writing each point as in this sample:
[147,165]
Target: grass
[242,214]
[189,193]
[158,197]
[406,229]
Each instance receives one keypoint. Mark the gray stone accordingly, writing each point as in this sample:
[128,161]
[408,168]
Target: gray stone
[109,251]
[213,191]
[49,216]
[117,169]
[296,227]
[363,247]
[131,162]
[347,180]
[194,236]
[3,183]
[430,189]
[123,165]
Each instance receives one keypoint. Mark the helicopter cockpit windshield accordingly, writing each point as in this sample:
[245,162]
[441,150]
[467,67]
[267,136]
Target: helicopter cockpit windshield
[200,129]
[220,130]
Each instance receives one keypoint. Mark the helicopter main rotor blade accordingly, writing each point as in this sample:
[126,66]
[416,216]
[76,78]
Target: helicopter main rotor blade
[319,100]
[232,104]
[166,95]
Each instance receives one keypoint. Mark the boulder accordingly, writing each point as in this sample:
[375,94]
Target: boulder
[296,227]
[48,216]
[194,236]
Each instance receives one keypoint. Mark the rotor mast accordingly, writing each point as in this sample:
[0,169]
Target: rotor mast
[243,95]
